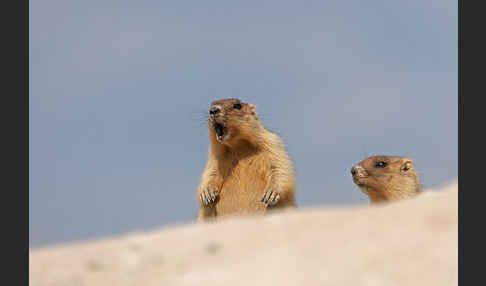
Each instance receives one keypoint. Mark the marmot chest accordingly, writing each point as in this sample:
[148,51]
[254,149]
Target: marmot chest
[243,188]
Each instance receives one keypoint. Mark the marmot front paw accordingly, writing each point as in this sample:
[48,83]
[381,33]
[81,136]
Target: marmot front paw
[270,198]
[209,195]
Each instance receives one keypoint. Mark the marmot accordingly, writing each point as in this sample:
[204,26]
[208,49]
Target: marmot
[248,169]
[386,178]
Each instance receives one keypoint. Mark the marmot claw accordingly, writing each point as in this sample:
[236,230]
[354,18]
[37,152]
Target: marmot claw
[270,198]
[209,195]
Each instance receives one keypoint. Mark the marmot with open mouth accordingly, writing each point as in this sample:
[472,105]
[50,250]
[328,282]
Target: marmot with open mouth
[248,169]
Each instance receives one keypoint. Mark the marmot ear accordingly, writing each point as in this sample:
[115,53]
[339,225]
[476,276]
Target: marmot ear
[252,108]
[406,166]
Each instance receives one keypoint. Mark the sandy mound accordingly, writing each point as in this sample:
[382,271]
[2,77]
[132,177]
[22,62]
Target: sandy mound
[412,242]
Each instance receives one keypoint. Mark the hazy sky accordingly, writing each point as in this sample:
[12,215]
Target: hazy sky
[119,93]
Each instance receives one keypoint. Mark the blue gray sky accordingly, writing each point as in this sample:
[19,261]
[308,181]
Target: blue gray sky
[119,93]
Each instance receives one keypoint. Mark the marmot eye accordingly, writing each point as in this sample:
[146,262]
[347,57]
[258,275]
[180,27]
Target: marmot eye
[380,164]
[237,106]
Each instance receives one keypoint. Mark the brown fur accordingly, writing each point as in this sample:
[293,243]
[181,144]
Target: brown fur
[396,181]
[250,161]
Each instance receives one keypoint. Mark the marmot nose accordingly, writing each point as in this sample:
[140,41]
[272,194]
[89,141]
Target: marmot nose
[214,109]
[359,171]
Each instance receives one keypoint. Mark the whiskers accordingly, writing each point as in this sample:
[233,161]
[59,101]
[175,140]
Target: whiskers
[198,118]
[198,122]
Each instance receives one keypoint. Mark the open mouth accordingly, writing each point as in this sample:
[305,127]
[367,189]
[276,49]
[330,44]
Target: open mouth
[220,131]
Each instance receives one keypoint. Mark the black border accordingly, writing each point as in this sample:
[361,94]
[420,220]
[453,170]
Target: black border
[471,144]
[15,136]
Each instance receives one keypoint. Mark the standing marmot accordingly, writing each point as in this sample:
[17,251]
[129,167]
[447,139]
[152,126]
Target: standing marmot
[248,169]
[386,178]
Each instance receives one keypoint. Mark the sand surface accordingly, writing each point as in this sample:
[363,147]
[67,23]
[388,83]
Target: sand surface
[412,242]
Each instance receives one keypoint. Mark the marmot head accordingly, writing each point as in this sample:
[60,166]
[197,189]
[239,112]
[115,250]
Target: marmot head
[386,178]
[231,119]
